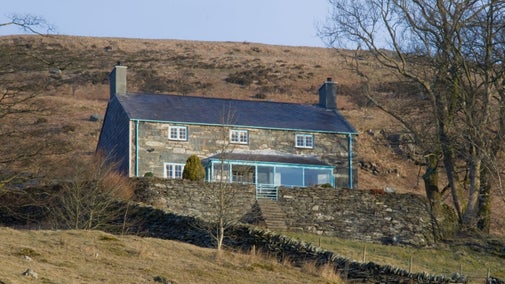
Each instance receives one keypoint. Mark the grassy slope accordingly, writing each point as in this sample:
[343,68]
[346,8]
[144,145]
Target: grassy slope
[440,260]
[97,257]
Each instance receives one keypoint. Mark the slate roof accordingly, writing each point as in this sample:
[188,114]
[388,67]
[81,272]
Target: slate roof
[270,159]
[252,114]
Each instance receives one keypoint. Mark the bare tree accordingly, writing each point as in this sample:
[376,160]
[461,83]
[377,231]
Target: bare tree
[26,137]
[220,193]
[453,51]
[94,196]
[29,23]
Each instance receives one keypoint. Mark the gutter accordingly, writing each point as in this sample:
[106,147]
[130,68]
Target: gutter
[351,130]
[350,157]
[137,148]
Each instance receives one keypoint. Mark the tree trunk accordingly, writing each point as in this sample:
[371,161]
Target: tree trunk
[430,179]
[470,215]
[220,235]
[484,213]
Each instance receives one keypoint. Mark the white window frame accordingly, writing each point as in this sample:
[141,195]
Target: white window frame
[239,136]
[304,138]
[178,130]
[175,171]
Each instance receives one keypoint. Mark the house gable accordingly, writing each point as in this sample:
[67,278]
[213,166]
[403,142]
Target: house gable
[114,140]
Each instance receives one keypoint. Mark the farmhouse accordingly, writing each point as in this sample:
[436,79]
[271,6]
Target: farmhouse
[265,143]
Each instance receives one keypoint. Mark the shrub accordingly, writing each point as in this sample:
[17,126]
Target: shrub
[193,170]
[261,96]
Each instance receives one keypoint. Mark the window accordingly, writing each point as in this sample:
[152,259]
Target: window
[239,136]
[304,141]
[178,133]
[173,171]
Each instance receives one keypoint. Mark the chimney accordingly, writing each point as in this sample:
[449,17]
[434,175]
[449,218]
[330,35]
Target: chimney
[117,80]
[328,94]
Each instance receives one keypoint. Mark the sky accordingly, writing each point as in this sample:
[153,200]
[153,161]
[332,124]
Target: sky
[278,22]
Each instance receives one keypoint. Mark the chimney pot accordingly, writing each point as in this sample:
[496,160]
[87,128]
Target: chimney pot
[328,94]
[117,80]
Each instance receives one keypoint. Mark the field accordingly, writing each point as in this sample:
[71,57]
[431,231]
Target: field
[97,257]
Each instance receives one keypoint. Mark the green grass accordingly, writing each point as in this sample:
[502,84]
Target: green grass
[440,259]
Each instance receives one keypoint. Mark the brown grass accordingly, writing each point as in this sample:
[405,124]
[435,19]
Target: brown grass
[97,257]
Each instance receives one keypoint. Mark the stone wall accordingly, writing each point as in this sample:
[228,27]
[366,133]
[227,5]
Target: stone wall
[358,214]
[160,224]
[196,199]
[113,141]
[155,149]
[352,214]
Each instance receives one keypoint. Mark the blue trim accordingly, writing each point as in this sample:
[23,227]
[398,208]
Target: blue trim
[241,162]
[243,126]
[349,137]
[212,162]
[136,148]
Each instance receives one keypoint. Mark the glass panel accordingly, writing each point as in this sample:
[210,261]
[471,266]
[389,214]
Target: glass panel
[317,176]
[265,175]
[178,171]
[299,141]
[304,140]
[309,141]
[243,137]
[182,133]
[239,136]
[234,136]
[289,176]
[173,133]
[169,171]
[243,173]
[221,172]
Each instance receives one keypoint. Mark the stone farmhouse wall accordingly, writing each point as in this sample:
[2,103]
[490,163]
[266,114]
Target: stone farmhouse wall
[352,214]
[154,147]
[114,142]
[358,214]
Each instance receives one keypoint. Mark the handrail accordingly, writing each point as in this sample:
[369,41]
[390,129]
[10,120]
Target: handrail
[266,191]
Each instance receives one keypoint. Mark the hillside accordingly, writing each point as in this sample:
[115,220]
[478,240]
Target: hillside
[97,257]
[69,74]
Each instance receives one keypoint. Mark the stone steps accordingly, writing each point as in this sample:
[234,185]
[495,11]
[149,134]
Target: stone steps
[274,216]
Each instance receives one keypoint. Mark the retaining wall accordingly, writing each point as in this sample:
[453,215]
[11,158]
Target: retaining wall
[353,214]
[359,214]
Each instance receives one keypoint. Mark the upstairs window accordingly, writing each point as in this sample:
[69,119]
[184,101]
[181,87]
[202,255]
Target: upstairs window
[304,141]
[239,136]
[179,133]
[173,171]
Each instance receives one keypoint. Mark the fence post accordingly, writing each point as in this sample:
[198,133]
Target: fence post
[346,271]
[364,254]
[410,264]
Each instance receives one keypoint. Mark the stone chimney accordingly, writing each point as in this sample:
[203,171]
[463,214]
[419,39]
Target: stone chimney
[328,94]
[117,80]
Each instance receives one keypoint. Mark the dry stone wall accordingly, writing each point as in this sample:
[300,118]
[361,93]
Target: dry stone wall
[353,214]
[359,214]
[159,224]
[195,199]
